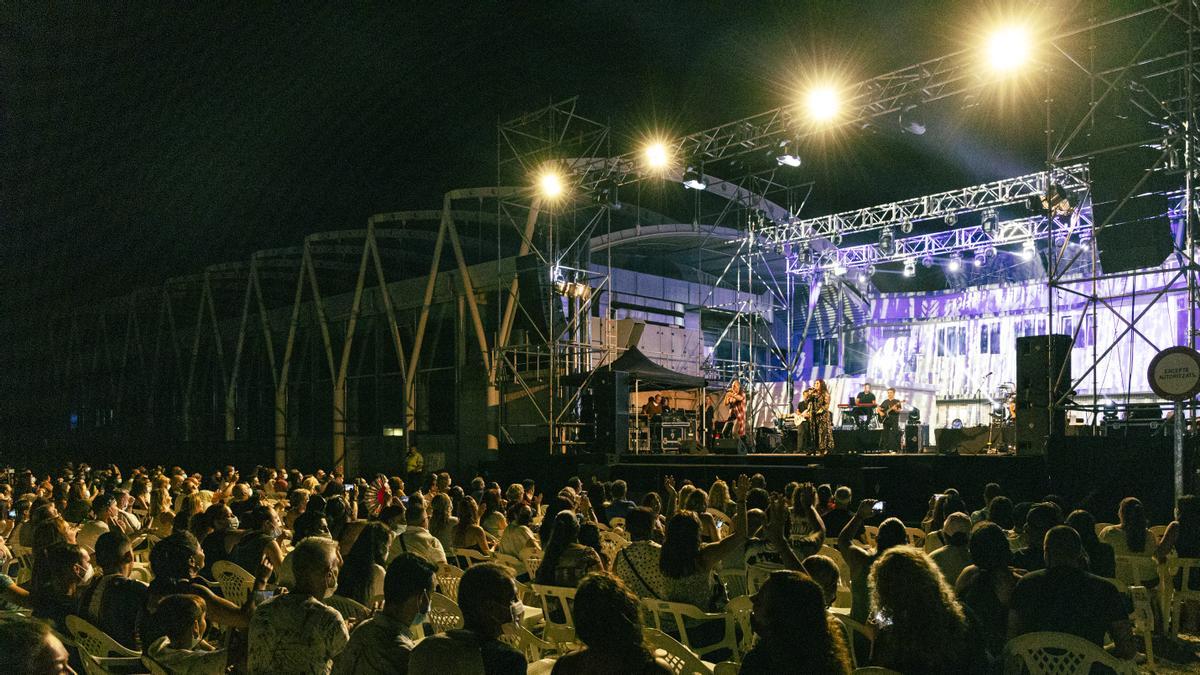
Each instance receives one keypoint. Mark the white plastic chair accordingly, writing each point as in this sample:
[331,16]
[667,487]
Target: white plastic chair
[851,629]
[1158,531]
[843,588]
[1048,653]
[679,614]
[870,534]
[735,582]
[531,558]
[558,598]
[1136,570]
[236,583]
[531,646]
[680,659]
[1189,571]
[471,556]
[1143,620]
[350,609]
[98,652]
[448,577]
[508,561]
[444,615]
[740,609]
[916,536]
[724,522]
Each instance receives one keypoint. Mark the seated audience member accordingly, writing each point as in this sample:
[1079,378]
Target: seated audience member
[564,560]
[1065,599]
[620,506]
[807,527]
[487,596]
[182,648]
[920,626]
[609,624]
[127,520]
[442,522]
[113,601]
[589,535]
[382,644]
[1101,560]
[297,501]
[176,561]
[636,565]
[795,633]
[445,655]
[652,501]
[688,566]
[952,558]
[518,536]
[61,573]
[990,492]
[104,519]
[362,573]
[492,519]
[312,521]
[221,540]
[836,518]
[468,533]
[416,537]
[29,647]
[985,586]
[1132,537]
[825,572]
[296,632]
[242,500]
[697,502]
[1038,521]
[1183,534]
[263,530]
[859,559]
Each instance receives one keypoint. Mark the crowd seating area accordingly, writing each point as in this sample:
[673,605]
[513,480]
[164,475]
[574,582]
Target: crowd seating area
[153,570]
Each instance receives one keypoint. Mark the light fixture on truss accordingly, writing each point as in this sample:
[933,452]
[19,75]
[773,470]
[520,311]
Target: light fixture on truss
[989,222]
[887,242]
[788,154]
[955,263]
[906,227]
[927,261]
[693,178]
[1028,249]
[910,268]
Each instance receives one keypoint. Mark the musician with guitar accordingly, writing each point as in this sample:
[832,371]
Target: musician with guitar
[889,414]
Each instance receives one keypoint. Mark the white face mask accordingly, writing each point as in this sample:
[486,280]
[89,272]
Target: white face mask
[333,583]
[422,616]
[517,610]
[234,523]
[88,573]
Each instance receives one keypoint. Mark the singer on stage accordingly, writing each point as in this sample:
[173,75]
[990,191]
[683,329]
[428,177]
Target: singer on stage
[735,401]
[820,421]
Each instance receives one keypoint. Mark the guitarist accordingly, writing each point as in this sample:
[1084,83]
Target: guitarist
[889,412]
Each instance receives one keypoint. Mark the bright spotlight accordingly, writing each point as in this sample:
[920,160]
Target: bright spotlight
[657,156]
[839,268]
[977,259]
[955,263]
[693,179]
[1008,49]
[550,185]
[927,262]
[1027,250]
[910,268]
[823,104]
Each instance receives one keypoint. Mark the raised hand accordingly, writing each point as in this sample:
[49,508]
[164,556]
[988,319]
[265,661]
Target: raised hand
[741,487]
[865,507]
[808,494]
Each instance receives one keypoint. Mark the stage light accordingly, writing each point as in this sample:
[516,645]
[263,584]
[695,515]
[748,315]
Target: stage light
[839,269]
[862,278]
[823,104]
[912,121]
[1028,249]
[990,253]
[1008,49]
[806,256]
[693,179]
[977,259]
[927,262]
[950,219]
[989,222]
[836,238]
[887,241]
[550,184]
[906,227]
[606,194]
[787,154]
[871,270]
[910,268]
[657,156]
[955,263]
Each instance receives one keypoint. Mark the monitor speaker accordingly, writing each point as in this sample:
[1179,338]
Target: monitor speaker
[1133,231]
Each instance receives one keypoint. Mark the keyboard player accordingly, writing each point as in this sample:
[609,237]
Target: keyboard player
[864,407]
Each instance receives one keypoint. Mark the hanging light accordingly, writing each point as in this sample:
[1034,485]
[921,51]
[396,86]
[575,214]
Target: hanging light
[693,178]
[906,227]
[787,154]
[887,241]
[950,219]
[955,263]
[910,268]
[989,222]
[977,259]
[927,261]
[839,268]
[871,270]
[1028,249]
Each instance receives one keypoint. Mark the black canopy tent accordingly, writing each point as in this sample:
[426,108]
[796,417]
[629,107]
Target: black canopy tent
[645,375]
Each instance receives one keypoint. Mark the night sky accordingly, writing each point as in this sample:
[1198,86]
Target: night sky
[141,141]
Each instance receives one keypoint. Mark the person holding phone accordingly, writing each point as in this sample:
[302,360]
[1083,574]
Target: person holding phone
[860,558]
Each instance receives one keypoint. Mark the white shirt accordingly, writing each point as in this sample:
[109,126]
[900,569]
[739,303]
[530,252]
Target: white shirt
[89,532]
[417,540]
[187,661]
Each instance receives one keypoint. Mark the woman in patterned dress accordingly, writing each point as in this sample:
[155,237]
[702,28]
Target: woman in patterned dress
[821,420]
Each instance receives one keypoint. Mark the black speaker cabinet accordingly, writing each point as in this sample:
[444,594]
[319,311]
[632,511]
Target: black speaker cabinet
[606,398]
[1043,379]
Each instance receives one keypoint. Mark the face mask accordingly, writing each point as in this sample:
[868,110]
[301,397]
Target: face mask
[88,573]
[333,582]
[234,523]
[517,610]
[276,532]
[422,616]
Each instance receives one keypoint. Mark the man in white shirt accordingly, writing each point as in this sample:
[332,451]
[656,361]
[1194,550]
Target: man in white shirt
[297,632]
[416,537]
[104,518]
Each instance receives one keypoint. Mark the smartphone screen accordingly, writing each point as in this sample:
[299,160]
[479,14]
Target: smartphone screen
[878,507]
[350,487]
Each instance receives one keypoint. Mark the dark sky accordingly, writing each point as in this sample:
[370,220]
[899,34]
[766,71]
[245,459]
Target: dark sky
[147,140]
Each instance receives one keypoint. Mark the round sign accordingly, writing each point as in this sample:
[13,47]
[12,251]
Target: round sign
[1175,373]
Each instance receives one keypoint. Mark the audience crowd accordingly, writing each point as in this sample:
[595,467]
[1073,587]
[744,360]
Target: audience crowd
[285,572]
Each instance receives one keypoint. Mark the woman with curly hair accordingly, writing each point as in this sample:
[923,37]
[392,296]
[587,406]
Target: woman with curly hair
[920,626]
[442,522]
[795,633]
[608,621]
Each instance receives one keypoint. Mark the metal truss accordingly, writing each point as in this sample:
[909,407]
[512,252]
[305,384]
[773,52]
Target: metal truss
[1072,179]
